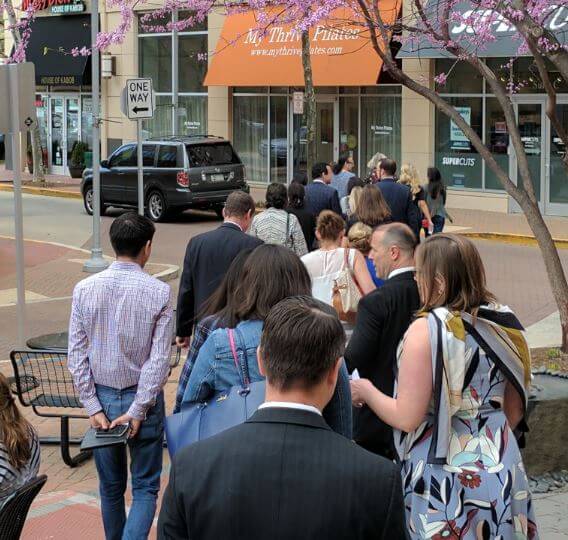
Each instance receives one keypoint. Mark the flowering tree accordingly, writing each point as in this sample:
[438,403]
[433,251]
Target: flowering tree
[428,25]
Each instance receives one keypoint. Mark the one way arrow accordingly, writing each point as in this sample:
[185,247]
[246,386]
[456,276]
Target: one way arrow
[139,109]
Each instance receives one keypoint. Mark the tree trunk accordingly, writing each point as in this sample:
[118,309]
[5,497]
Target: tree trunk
[37,157]
[311,116]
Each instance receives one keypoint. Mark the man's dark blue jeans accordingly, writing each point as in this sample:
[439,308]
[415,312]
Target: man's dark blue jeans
[145,468]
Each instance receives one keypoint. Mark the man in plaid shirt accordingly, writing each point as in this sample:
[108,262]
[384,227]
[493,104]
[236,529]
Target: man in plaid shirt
[119,347]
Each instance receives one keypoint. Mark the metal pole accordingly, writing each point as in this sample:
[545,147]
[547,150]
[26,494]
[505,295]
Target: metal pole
[97,262]
[175,73]
[140,165]
[18,209]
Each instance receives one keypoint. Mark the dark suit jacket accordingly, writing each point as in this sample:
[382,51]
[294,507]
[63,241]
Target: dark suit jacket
[308,224]
[207,259]
[399,199]
[282,474]
[383,316]
[320,196]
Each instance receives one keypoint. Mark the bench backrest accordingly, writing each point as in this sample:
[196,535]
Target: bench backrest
[42,379]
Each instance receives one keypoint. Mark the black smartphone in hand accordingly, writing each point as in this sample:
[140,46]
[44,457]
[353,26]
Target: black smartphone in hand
[115,433]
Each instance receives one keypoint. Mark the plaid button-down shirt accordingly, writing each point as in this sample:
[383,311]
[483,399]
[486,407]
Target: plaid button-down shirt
[120,335]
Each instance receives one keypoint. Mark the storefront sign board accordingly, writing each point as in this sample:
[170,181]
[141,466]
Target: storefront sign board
[298,101]
[137,99]
[76,7]
[458,139]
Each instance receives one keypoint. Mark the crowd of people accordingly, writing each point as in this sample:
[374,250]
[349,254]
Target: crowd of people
[395,383]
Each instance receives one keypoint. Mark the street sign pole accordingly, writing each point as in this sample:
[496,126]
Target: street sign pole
[18,209]
[97,262]
[140,165]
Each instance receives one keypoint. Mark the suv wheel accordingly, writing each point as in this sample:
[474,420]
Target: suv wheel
[88,202]
[156,208]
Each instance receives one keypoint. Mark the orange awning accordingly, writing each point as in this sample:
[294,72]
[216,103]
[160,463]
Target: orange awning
[341,52]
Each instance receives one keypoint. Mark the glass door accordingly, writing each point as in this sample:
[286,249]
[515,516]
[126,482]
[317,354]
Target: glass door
[71,128]
[532,129]
[57,136]
[557,176]
[326,137]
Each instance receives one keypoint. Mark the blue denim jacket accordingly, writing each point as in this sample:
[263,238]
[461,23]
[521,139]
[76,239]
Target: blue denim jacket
[215,369]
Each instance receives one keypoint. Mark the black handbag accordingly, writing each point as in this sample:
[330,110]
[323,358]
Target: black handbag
[226,409]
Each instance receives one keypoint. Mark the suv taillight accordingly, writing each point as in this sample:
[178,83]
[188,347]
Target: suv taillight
[183,179]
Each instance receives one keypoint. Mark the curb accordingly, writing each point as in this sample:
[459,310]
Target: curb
[509,238]
[47,192]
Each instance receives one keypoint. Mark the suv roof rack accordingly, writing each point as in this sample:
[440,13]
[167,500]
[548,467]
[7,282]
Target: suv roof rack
[184,137]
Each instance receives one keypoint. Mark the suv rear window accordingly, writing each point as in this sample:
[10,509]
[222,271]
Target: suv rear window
[167,156]
[211,155]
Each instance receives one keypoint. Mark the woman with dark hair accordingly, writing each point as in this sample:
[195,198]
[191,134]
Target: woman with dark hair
[342,172]
[464,374]
[270,274]
[436,200]
[19,445]
[296,206]
[210,319]
[372,209]
[275,225]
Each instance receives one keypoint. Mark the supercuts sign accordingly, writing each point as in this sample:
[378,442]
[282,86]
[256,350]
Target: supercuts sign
[462,30]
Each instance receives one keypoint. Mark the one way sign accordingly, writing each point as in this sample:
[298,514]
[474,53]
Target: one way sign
[138,99]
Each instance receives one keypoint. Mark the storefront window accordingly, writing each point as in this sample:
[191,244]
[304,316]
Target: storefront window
[497,140]
[349,129]
[558,183]
[459,163]
[250,135]
[192,115]
[461,77]
[192,62]
[155,61]
[278,139]
[380,128]
[161,124]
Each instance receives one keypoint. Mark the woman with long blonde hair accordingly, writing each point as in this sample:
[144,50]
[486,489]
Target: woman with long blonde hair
[463,378]
[19,445]
[409,177]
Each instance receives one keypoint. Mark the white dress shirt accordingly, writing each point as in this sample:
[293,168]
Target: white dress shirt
[289,405]
[401,271]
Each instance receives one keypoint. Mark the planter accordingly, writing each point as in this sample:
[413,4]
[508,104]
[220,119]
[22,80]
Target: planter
[76,171]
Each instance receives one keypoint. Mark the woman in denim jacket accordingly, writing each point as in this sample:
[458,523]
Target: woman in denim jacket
[270,274]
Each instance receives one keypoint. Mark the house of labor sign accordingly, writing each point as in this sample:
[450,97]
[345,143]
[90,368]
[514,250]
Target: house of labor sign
[138,99]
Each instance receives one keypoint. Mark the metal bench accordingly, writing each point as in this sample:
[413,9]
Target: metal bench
[42,381]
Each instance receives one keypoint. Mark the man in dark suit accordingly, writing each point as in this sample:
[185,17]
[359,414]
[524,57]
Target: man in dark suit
[319,194]
[397,196]
[207,259]
[283,473]
[383,317]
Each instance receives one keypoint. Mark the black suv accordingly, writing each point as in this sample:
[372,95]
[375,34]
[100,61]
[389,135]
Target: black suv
[179,173]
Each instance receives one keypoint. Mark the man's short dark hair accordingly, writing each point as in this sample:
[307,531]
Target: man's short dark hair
[319,169]
[301,340]
[400,235]
[276,196]
[388,165]
[129,233]
[239,204]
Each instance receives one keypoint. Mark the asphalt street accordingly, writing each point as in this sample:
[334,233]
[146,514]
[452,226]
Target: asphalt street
[515,273]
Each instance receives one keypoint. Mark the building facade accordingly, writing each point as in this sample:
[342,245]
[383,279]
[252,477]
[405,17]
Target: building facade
[359,110]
